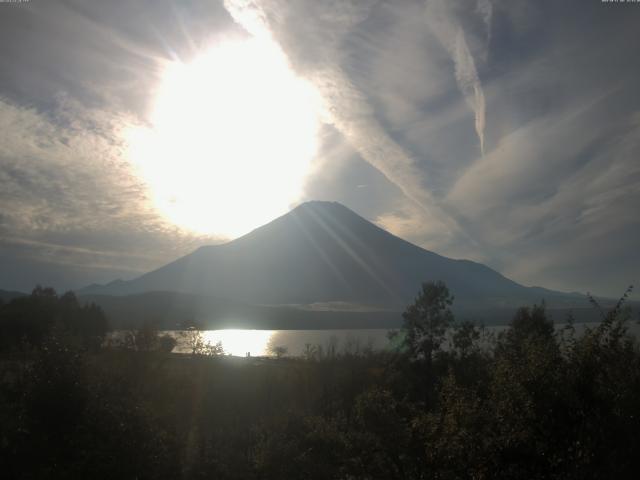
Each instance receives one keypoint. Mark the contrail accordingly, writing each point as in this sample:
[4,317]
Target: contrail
[451,36]
[469,83]
[485,10]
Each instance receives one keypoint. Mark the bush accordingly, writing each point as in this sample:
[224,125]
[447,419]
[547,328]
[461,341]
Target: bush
[166,343]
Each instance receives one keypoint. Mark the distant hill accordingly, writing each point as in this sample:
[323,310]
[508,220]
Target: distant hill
[7,295]
[174,311]
[324,253]
[319,266]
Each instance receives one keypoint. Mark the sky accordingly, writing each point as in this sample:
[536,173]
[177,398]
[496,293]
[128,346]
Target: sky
[502,131]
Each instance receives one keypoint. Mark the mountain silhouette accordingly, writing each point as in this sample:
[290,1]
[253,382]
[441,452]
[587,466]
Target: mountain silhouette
[323,252]
[7,295]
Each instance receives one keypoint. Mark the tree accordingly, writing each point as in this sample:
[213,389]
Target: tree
[166,343]
[426,321]
[145,338]
[31,320]
[278,350]
[532,322]
[465,338]
[194,340]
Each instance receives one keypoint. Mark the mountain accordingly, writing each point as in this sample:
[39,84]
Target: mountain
[8,295]
[174,311]
[324,253]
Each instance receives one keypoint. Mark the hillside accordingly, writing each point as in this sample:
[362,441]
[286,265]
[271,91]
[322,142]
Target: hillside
[324,252]
[7,295]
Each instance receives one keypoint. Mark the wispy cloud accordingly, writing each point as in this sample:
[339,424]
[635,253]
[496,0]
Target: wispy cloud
[485,10]
[496,130]
[441,19]
[70,196]
[315,52]
[397,91]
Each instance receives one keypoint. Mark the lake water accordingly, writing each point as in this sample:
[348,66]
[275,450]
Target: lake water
[259,343]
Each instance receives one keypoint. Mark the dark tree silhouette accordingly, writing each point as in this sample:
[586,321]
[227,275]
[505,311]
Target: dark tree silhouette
[426,321]
[31,320]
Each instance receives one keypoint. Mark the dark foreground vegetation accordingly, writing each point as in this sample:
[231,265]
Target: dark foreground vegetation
[535,403]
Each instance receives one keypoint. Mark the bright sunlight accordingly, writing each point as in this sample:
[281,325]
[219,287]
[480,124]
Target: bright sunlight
[231,139]
[240,342]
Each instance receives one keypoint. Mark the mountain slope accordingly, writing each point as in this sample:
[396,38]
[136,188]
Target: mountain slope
[324,252]
[8,295]
[173,311]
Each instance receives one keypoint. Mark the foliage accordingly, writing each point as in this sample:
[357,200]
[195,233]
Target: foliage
[195,342]
[427,320]
[166,343]
[535,402]
[278,350]
[31,319]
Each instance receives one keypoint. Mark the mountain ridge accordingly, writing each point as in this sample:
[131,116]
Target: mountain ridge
[324,252]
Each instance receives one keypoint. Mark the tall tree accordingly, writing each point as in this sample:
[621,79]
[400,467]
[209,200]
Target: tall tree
[426,321]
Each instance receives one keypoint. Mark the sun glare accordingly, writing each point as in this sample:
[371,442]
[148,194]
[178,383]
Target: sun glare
[241,342]
[231,139]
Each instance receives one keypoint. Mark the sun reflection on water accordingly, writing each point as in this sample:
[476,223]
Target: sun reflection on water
[241,342]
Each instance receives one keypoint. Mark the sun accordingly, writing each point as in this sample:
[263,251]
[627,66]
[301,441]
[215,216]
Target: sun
[232,136]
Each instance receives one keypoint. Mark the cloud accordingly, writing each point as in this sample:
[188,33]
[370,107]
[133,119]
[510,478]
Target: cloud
[548,89]
[442,21]
[69,195]
[485,10]
[316,52]
[73,75]
[399,94]
[103,55]
[555,197]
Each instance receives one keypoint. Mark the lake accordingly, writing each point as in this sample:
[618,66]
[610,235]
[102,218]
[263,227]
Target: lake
[258,343]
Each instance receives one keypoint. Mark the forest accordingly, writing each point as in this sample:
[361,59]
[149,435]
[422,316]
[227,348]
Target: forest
[535,401]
